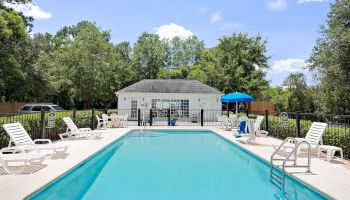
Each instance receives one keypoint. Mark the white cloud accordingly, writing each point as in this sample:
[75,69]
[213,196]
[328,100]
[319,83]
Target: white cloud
[30,9]
[216,17]
[289,65]
[277,5]
[229,26]
[172,30]
[202,10]
[308,1]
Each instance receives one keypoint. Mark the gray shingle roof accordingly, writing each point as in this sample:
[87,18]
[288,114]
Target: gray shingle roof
[169,86]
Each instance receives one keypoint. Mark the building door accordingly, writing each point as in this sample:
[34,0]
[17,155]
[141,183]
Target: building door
[133,109]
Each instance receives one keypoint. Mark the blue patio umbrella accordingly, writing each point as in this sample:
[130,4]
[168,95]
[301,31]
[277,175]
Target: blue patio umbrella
[236,97]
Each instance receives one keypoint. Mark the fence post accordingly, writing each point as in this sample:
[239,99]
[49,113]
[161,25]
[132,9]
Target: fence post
[267,120]
[150,117]
[106,110]
[92,118]
[42,124]
[168,116]
[202,112]
[74,115]
[247,112]
[138,117]
[297,124]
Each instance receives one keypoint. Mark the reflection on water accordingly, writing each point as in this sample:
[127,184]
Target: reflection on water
[78,182]
[159,164]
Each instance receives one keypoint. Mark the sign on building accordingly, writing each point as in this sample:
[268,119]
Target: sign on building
[51,120]
[284,119]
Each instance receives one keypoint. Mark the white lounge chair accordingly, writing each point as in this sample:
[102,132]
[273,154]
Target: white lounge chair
[18,157]
[249,135]
[257,125]
[101,122]
[239,120]
[20,138]
[123,120]
[105,117]
[313,137]
[74,132]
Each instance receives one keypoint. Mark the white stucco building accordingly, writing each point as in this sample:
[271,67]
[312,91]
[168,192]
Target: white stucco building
[183,97]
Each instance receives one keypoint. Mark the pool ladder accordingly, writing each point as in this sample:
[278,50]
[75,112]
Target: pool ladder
[277,177]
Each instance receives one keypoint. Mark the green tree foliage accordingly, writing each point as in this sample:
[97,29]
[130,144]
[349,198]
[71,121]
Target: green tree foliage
[237,63]
[331,60]
[184,52]
[299,98]
[83,66]
[293,95]
[80,67]
[278,96]
[16,57]
[149,56]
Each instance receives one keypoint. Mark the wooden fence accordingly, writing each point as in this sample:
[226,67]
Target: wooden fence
[10,107]
[260,106]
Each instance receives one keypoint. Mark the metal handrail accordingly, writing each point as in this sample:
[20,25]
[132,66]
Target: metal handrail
[298,144]
[279,147]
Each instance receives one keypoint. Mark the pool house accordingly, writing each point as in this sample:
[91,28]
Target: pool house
[183,98]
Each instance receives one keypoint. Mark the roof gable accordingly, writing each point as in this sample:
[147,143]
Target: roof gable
[169,86]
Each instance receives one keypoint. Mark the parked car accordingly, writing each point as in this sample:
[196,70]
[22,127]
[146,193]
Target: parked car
[31,108]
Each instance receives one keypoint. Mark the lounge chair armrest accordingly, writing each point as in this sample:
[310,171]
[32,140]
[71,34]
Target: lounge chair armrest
[43,140]
[300,139]
[84,129]
[13,149]
[31,145]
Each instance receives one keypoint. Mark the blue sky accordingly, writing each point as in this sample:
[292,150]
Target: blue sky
[289,26]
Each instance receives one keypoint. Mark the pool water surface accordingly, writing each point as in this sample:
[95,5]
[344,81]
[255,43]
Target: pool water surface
[169,165]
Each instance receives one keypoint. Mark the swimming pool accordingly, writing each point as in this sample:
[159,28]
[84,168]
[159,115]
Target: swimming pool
[172,164]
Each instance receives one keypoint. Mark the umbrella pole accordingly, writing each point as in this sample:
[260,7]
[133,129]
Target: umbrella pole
[236,108]
[228,112]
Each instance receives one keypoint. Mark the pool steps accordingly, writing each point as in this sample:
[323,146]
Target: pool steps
[277,177]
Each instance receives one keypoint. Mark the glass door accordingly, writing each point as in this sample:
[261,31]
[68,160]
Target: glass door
[133,109]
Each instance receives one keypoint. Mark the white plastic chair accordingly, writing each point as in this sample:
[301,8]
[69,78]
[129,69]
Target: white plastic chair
[101,122]
[124,120]
[257,125]
[18,157]
[74,132]
[249,135]
[105,117]
[313,137]
[20,137]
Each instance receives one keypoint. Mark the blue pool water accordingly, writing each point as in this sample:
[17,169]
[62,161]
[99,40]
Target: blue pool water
[169,165]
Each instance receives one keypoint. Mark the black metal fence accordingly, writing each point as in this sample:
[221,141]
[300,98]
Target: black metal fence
[297,124]
[294,125]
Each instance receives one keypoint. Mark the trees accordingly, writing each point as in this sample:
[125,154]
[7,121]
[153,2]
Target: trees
[237,63]
[17,57]
[83,67]
[80,67]
[299,98]
[149,56]
[331,60]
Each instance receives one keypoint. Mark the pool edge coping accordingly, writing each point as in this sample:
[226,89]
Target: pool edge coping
[268,163]
[235,143]
[69,170]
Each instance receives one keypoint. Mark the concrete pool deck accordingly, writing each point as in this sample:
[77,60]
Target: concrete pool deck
[333,179]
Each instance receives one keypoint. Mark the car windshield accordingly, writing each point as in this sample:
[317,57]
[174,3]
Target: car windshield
[26,108]
[57,108]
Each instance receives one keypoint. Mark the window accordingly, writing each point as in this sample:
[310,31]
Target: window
[26,108]
[36,108]
[179,107]
[56,108]
[46,108]
[185,107]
